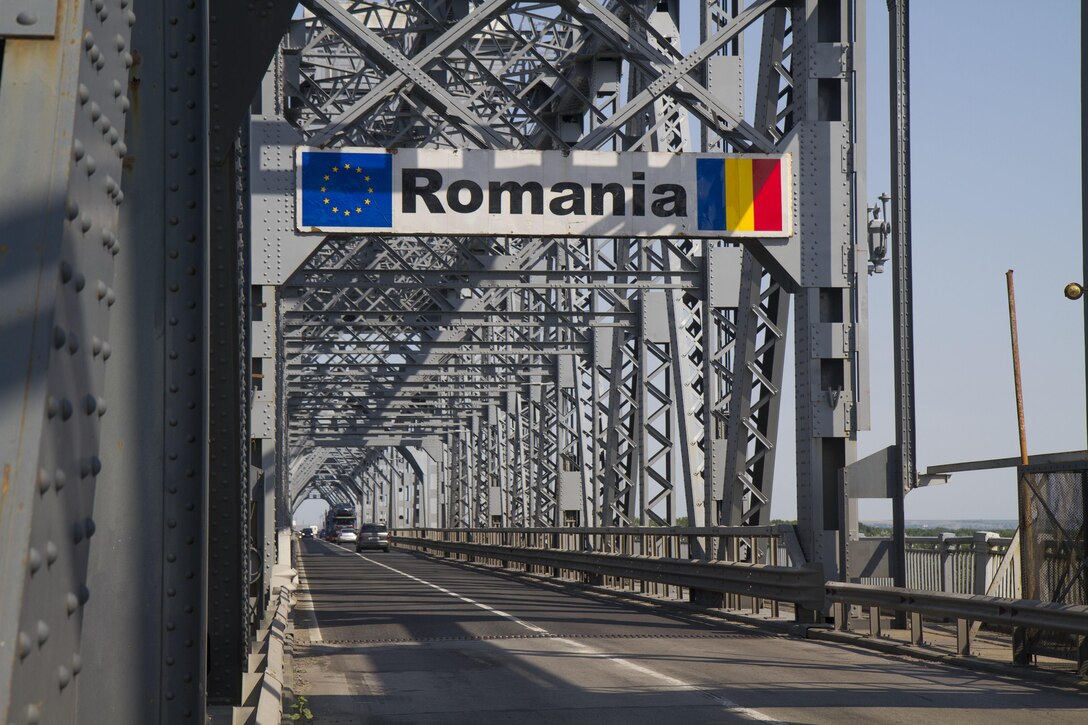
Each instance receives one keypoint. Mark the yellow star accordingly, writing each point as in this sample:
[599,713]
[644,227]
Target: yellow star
[367,202]
[358,169]
[322,188]
[326,201]
[347,167]
[334,210]
[326,177]
[366,178]
[369,191]
[358,210]
[334,169]
[347,213]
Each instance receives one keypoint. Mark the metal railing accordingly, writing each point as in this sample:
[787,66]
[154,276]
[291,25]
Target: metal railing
[753,562]
[965,610]
[756,568]
[962,564]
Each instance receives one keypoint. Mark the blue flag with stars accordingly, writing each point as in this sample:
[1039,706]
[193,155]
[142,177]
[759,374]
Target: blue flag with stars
[346,189]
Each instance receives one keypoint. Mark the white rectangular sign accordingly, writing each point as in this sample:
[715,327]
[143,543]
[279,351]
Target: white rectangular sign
[542,193]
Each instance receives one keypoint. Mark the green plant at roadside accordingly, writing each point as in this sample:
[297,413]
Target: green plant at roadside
[299,711]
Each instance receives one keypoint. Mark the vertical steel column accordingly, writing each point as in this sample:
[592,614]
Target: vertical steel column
[902,277]
[62,121]
[228,495]
[828,67]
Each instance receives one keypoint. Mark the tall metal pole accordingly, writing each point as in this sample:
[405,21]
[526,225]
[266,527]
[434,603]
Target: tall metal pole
[1016,372]
[1083,187]
[901,271]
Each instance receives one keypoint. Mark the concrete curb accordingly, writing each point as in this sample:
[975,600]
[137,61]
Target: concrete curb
[264,703]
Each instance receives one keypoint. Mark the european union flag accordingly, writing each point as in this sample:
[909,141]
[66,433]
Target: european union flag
[347,189]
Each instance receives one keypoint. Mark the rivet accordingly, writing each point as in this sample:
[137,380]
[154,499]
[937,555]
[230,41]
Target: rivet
[85,222]
[77,150]
[66,409]
[77,532]
[59,338]
[90,166]
[43,632]
[101,289]
[89,527]
[33,715]
[33,560]
[94,54]
[90,403]
[80,282]
[72,209]
[26,18]
[84,94]
[83,593]
[64,676]
[117,87]
[120,40]
[51,406]
[96,345]
[59,479]
[73,342]
[101,407]
[77,664]
[106,351]
[24,644]
[50,553]
[71,603]
[65,272]
[96,112]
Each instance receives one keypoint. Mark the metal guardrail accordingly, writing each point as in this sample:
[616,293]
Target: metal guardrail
[775,545]
[629,557]
[964,609]
[802,586]
[642,555]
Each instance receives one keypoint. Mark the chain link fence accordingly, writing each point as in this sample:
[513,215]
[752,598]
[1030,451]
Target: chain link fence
[1054,546]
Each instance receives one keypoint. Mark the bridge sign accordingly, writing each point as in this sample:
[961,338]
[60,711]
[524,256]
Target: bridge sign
[542,193]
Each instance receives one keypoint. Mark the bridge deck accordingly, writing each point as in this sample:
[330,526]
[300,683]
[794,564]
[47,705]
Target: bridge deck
[400,638]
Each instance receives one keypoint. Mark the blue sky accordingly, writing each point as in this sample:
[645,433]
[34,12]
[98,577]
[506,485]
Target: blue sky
[996,186]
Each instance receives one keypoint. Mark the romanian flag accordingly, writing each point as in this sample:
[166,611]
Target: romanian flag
[742,194]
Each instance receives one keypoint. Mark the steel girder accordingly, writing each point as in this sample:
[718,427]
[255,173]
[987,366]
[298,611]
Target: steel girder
[585,380]
[405,336]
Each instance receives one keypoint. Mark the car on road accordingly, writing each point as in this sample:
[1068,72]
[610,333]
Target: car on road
[346,536]
[372,536]
[307,534]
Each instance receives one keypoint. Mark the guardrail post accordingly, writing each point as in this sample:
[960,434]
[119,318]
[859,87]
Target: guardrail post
[945,555]
[981,547]
[842,616]
[874,622]
[916,630]
[963,637]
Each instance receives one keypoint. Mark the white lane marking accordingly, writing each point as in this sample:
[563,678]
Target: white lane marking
[511,617]
[727,704]
[309,600]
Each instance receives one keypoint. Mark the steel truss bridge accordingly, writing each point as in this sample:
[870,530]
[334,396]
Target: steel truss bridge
[183,367]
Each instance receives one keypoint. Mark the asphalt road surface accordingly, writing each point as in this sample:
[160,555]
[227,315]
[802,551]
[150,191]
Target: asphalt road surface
[402,638]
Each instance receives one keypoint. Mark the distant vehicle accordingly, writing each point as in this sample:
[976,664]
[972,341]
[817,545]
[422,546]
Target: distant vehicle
[346,536]
[373,536]
[307,534]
